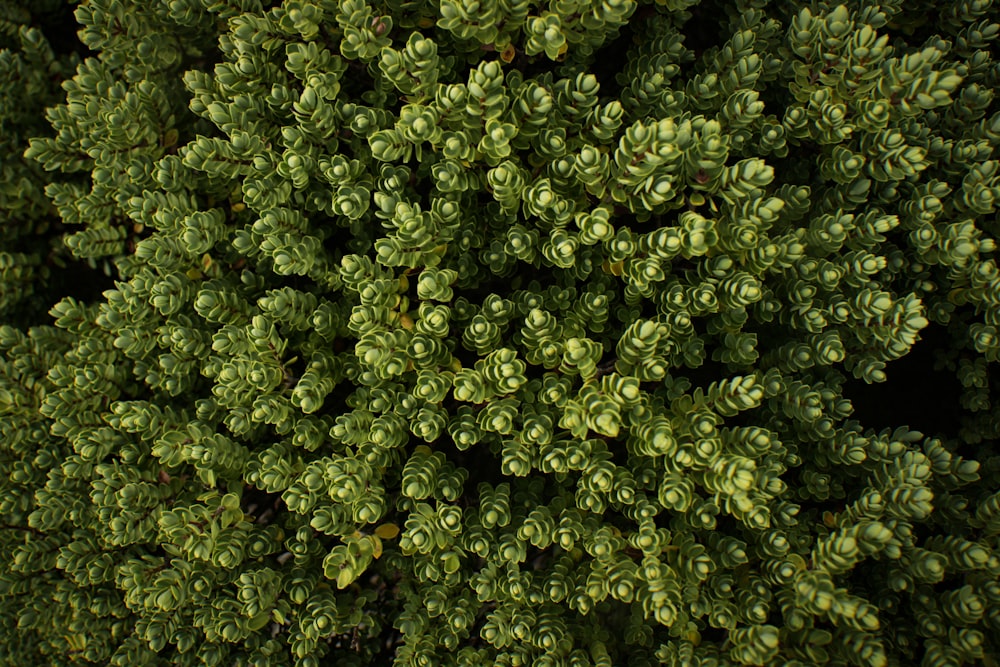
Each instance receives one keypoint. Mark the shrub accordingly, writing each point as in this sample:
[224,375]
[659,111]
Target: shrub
[496,333]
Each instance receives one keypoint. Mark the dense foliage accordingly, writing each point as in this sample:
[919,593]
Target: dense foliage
[497,332]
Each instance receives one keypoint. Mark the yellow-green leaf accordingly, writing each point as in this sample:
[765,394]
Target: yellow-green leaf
[387,531]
